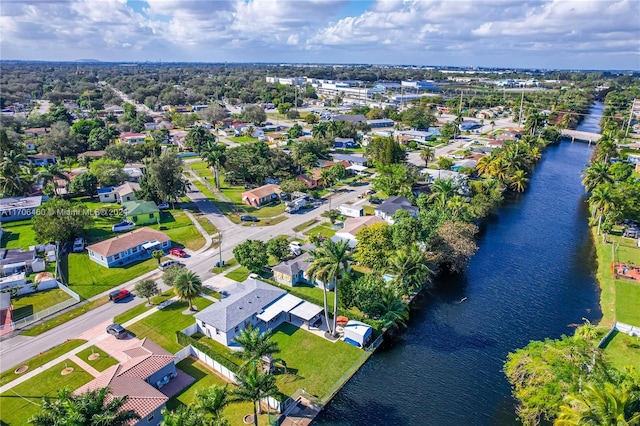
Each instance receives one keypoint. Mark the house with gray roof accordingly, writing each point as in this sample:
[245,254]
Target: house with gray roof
[256,303]
[387,209]
[292,271]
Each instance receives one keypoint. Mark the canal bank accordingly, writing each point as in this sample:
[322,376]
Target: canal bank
[532,278]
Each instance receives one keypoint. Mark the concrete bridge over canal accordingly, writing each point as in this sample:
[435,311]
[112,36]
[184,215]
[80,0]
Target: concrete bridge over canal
[577,135]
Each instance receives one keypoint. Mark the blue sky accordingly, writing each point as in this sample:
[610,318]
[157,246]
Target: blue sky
[575,34]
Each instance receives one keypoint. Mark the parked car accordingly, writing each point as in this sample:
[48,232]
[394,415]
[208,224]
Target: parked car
[78,245]
[117,330]
[163,206]
[119,294]
[178,252]
[123,226]
[295,247]
[169,263]
[247,218]
[373,200]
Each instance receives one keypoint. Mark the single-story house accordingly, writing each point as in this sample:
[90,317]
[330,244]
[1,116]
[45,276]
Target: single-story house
[312,181]
[355,118]
[468,163]
[148,369]
[387,209]
[141,212]
[118,194]
[253,302]
[30,145]
[351,227]
[19,208]
[432,174]
[343,143]
[94,155]
[129,247]
[114,110]
[381,122]
[327,164]
[135,173]
[132,138]
[357,333]
[13,261]
[41,159]
[351,159]
[292,271]
[262,195]
[36,132]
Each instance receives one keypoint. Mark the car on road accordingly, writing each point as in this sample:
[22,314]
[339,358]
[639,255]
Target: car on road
[117,330]
[78,245]
[119,294]
[169,263]
[247,218]
[178,252]
[163,206]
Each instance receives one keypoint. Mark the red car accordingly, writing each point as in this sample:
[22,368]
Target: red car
[119,295]
[178,252]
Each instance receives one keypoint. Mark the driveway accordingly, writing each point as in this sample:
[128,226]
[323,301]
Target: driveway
[115,348]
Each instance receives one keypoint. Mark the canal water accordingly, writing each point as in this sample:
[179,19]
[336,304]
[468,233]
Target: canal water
[532,278]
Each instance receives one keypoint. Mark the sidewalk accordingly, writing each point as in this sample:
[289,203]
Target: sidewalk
[207,238]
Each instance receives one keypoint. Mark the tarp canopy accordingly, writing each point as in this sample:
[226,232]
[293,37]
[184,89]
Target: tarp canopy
[150,244]
[357,168]
[306,311]
[284,304]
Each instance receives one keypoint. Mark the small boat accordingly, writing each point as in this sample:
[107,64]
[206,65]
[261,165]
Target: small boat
[464,299]
[123,226]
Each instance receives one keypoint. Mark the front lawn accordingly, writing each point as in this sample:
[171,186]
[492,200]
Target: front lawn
[324,230]
[142,308]
[177,225]
[239,274]
[318,366]
[161,326]
[305,225]
[244,139]
[20,403]
[87,278]
[623,350]
[101,363]
[206,224]
[39,360]
[18,234]
[205,378]
[28,304]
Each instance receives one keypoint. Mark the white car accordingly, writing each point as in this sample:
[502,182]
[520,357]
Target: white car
[169,263]
[295,247]
[163,206]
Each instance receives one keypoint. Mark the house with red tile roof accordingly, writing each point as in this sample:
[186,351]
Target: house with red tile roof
[148,368]
[312,180]
[262,195]
[132,138]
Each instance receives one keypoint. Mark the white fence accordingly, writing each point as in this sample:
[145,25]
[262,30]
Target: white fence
[631,330]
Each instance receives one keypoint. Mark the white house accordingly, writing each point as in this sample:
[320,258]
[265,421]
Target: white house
[253,302]
[387,209]
[357,333]
[132,138]
[351,227]
[119,194]
[127,248]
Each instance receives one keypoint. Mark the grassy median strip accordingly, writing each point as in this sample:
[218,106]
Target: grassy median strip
[39,360]
[142,308]
[305,225]
[68,316]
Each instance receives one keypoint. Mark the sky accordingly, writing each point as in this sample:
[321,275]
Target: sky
[555,34]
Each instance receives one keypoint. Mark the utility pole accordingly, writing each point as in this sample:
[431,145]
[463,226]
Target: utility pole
[220,250]
[626,133]
[520,113]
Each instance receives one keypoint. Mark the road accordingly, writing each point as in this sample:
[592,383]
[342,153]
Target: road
[139,107]
[20,348]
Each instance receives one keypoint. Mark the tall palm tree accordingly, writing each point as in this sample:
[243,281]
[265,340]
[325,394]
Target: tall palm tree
[255,344]
[441,191]
[213,153]
[50,173]
[596,174]
[188,286]
[409,269]
[92,408]
[519,180]
[213,400]
[328,264]
[483,165]
[602,405]
[253,386]
[184,416]
[393,311]
[13,169]
[427,154]
[606,149]
[498,169]
[602,201]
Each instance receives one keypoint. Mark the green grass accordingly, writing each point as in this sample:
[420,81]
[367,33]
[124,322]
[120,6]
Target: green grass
[243,139]
[206,224]
[161,326]
[87,278]
[201,169]
[267,221]
[20,403]
[142,308]
[177,225]
[18,234]
[368,210]
[239,274]
[211,293]
[67,316]
[305,225]
[623,350]
[28,304]
[224,207]
[39,360]
[324,230]
[315,368]
[627,298]
[101,363]
[205,378]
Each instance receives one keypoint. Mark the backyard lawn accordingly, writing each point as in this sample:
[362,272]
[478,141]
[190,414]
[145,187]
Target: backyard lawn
[239,274]
[39,360]
[28,304]
[161,326]
[627,299]
[87,278]
[18,234]
[325,230]
[101,363]
[20,403]
[206,378]
[623,350]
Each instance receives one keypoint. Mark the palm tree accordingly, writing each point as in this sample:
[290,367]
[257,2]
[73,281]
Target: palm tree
[184,416]
[498,169]
[602,200]
[441,191]
[253,386]
[483,165]
[606,149]
[213,153]
[212,401]
[519,180]
[50,173]
[157,255]
[596,174]
[427,154]
[328,264]
[188,286]
[393,311]
[92,408]
[602,405]
[68,163]
[255,344]
[409,269]
[13,168]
